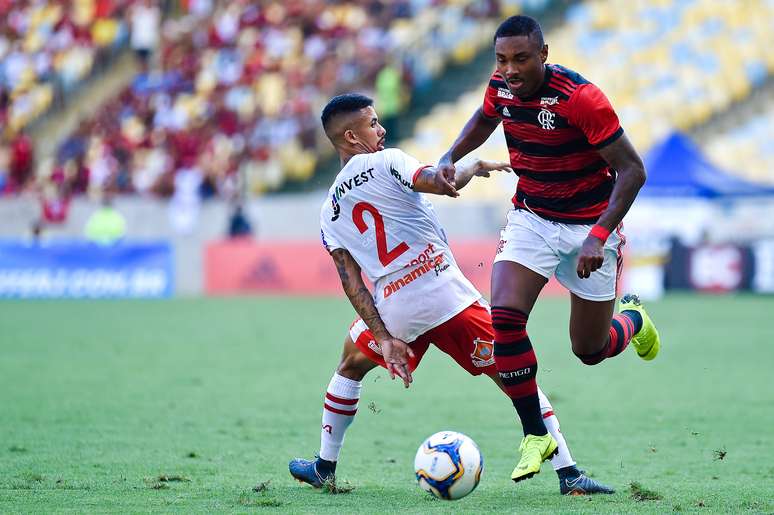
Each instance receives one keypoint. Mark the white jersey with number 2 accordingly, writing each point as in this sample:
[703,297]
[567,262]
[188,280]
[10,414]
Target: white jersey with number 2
[394,235]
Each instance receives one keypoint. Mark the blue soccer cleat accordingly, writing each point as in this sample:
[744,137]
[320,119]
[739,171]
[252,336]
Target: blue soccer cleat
[582,484]
[314,473]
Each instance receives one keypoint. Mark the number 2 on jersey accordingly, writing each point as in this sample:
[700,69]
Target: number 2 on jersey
[385,257]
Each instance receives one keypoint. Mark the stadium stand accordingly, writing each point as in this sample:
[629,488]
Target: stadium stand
[48,47]
[666,65]
[746,148]
[232,95]
[232,98]
[669,64]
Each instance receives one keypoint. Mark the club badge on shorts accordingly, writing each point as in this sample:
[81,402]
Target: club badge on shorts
[483,353]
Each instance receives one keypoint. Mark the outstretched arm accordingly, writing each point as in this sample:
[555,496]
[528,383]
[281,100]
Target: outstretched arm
[473,135]
[433,180]
[621,156]
[478,168]
[395,351]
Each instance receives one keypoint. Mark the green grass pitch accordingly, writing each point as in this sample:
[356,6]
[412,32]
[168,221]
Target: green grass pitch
[187,405]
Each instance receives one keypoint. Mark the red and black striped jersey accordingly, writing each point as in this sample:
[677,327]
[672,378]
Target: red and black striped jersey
[553,140]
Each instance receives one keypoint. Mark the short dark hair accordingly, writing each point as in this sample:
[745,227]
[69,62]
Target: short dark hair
[520,26]
[343,104]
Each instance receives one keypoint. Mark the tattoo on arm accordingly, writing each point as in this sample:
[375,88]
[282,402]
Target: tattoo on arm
[359,295]
[425,181]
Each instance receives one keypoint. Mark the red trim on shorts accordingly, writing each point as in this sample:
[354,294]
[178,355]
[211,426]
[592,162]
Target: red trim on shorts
[340,412]
[548,414]
[339,400]
[416,174]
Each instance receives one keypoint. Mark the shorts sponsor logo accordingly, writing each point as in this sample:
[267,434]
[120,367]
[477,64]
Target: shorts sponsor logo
[504,93]
[500,246]
[374,347]
[483,353]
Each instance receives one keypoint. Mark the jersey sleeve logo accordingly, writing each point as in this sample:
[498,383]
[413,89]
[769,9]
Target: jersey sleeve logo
[336,209]
[400,179]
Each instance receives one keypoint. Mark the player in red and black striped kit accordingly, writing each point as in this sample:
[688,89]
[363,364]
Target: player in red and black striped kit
[578,176]
[554,135]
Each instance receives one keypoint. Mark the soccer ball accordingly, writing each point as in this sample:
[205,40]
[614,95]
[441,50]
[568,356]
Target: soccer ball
[448,465]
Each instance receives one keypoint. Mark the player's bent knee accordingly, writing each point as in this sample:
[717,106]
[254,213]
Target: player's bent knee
[590,359]
[354,364]
[353,368]
[587,344]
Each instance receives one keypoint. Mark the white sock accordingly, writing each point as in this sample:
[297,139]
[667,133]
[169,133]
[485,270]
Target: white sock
[564,458]
[338,413]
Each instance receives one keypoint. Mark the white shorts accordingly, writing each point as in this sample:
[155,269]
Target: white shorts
[551,248]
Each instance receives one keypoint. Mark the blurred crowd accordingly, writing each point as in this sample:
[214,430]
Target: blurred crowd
[48,47]
[228,94]
[746,147]
[667,65]
[663,61]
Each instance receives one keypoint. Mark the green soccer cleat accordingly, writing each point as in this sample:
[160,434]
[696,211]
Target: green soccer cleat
[534,451]
[646,342]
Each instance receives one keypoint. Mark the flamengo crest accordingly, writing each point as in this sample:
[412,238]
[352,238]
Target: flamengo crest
[546,119]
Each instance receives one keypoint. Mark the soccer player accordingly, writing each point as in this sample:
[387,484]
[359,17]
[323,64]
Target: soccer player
[376,220]
[578,176]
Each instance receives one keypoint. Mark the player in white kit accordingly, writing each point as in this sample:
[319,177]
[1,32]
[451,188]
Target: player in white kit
[376,220]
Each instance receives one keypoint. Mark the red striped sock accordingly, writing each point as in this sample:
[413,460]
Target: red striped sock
[621,331]
[517,366]
[339,410]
